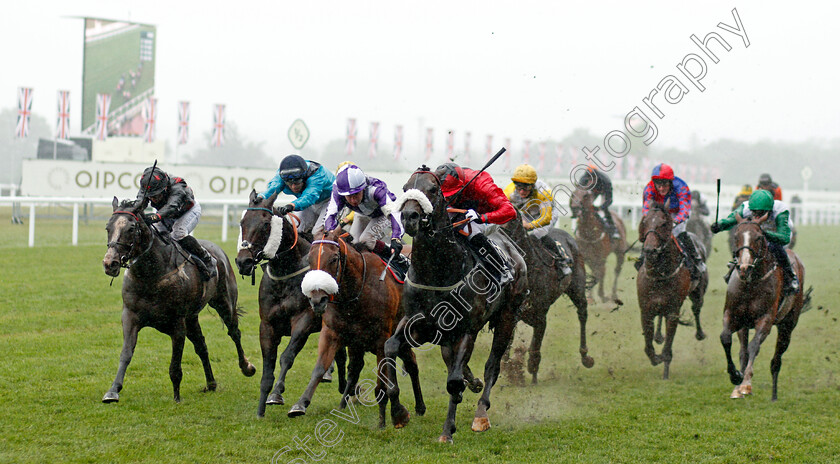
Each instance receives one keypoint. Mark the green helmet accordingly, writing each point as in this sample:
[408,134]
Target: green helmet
[761,200]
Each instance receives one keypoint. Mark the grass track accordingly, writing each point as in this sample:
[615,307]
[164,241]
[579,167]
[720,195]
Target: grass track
[60,337]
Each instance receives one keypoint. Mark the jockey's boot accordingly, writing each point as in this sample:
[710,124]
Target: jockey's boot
[610,225]
[206,263]
[695,265]
[791,282]
[494,261]
[562,262]
[399,261]
[639,262]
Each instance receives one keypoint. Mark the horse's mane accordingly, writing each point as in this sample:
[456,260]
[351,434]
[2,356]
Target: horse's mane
[657,206]
[126,204]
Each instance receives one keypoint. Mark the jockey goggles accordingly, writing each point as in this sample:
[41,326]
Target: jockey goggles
[523,186]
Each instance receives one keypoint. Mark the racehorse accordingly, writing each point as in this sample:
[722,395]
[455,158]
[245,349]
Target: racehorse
[448,298]
[664,282]
[284,310]
[595,242]
[546,285]
[164,290]
[698,226]
[754,299]
[360,310]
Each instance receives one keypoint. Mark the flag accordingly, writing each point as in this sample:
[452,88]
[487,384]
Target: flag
[489,151]
[507,154]
[574,156]
[559,166]
[350,146]
[466,148]
[398,142]
[430,134]
[150,116]
[374,139]
[541,163]
[526,154]
[450,145]
[219,126]
[103,104]
[183,122]
[62,125]
[631,167]
[24,112]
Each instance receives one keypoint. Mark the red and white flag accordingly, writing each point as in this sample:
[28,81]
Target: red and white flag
[489,152]
[24,112]
[150,117]
[450,145]
[430,139]
[574,156]
[350,145]
[62,125]
[103,105]
[398,142]
[558,167]
[374,139]
[466,148]
[219,126]
[526,153]
[541,163]
[507,154]
[183,122]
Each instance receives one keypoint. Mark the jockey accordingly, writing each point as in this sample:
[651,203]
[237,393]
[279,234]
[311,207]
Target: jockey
[664,186]
[485,203]
[743,195]
[345,215]
[776,228]
[176,212]
[371,201]
[765,182]
[311,184]
[603,188]
[533,199]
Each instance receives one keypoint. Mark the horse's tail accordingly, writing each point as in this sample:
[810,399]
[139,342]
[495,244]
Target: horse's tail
[806,303]
[239,311]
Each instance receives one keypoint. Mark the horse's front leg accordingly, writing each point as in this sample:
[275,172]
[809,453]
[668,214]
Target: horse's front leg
[178,336]
[131,327]
[762,329]
[502,335]
[726,340]
[393,347]
[647,330]
[577,293]
[670,332]
[619,263]
[197,338]
[448,354]
[354,371]
[328,343]
[534,353]
[269,341]
[302,326]
[696,305]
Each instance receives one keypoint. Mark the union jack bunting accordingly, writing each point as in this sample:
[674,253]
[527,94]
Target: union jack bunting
[541,163]
[558,168]
[398,142]
[507,154]
[374,139]
[466,148]
[62,125]
[183,122]
[489,150]
[450,144]
[351,137]
[526,153]
[103,105]
[24,112]
[219,126]
[150,116]
[430,138]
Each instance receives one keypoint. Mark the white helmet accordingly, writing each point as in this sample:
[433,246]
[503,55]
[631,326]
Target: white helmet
[350,180]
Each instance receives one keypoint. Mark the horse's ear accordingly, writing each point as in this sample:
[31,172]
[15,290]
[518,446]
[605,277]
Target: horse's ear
[143,204]
[115,204]
[738,218]
[252,199]
[269,202]
[763,218]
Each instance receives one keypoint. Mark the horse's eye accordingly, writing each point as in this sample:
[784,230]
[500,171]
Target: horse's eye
[334,259]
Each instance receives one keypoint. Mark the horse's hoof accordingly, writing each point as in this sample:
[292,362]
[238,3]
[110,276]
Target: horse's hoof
[211,387]
[275,398]
[587,361]
[401,419]
[481,424]
[745,389]
[444,439]
[249,370]
[476,385]
[111,397]
[700,336]
[297,410]
[327,378]
[659,339]
[736,395]
[420,410]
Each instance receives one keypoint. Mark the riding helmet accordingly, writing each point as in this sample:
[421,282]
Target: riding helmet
[662,171]
[451,178]
[154,182]
[525,174]
[761,200]
[765,179]
[292,167]
[350,180]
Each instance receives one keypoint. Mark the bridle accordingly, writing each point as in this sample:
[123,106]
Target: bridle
[658,250]
[135,243]
[342,265]
[425,218]
[758,258]
[258,253]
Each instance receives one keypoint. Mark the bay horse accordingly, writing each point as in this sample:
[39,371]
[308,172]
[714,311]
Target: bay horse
[595,242]
[284,310]
[664,282]
[449,297]
[359,310]
[754,299]
[698,226]
[546,285]
[164,290]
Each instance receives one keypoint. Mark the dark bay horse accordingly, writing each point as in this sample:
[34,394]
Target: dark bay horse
[664,282]
[546,285]
[449,298]
[754,299]
[284,310]
[360,311]
[595,242]
[698,226]
[162,289]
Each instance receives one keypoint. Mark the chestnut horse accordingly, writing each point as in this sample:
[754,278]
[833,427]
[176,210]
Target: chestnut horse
[595,242]
[664,282]
[449,297]
[284,310]
[546,285]
[360,311]
[163,289]
[754,299]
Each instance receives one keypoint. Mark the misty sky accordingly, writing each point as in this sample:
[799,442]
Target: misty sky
[525,70]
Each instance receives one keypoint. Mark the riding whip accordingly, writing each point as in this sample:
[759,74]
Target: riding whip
[145,190]
[717,204]
[492,160]
[387,265]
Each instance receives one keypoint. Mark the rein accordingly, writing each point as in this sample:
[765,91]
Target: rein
[124,259]
[758,258]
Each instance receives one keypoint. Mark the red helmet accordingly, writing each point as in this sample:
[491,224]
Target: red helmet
[662,171]
[452,178]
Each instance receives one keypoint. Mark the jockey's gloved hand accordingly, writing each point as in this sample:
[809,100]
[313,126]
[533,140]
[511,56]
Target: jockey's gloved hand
[284,210]
[715,227]
[396,246]
[473,216]
[152,218]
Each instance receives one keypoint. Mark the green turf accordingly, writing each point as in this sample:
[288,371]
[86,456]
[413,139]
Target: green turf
[60,337]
